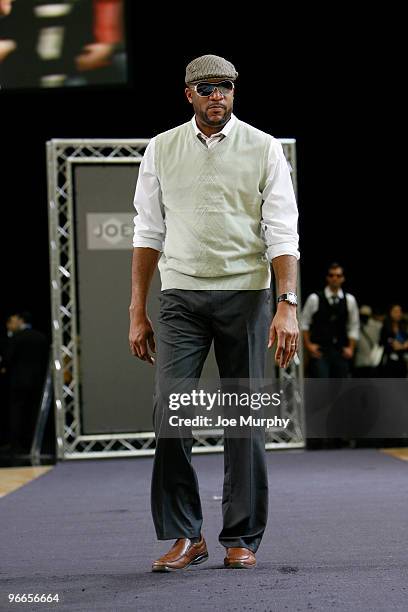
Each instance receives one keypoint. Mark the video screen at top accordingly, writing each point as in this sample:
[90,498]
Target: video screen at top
[69,43]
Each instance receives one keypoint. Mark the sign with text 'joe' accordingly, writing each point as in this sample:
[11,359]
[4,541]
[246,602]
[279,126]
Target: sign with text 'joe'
[107,231]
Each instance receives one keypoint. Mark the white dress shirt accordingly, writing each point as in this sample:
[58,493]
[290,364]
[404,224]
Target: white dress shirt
[279,208]
[353,317]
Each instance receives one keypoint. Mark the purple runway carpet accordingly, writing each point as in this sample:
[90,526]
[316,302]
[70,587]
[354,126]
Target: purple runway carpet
[337,538]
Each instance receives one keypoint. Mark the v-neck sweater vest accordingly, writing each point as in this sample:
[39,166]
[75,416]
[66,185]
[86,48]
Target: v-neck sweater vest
[212,200]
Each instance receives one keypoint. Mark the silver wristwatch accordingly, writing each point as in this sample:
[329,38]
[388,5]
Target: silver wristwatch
[289,297]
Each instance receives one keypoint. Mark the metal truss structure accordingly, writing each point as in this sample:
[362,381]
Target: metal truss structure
[62,155]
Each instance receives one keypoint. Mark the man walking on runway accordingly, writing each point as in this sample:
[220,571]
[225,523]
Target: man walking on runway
[214,197]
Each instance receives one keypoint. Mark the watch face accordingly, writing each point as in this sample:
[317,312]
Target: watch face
[292,298]
[289,297]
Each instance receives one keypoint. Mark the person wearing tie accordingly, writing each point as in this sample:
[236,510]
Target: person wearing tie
[330,325]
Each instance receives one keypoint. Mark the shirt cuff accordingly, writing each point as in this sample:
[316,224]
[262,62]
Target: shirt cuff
[149,243]
[354,335]
[284,248]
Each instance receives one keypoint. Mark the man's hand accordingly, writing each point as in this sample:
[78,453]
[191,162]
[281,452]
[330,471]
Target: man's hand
[141,336]
[314,350]
[285,329]
[398,346]
[93,56]
[6,47]
[348,352]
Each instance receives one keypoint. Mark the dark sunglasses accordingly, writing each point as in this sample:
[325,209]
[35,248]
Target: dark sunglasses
[206,89]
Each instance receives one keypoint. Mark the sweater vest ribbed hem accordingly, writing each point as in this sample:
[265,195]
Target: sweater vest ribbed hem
[260,279]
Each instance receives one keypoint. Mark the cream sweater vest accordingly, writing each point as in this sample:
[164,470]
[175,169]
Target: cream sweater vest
[212,209]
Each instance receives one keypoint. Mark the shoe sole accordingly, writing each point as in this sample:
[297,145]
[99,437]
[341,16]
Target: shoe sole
[167,568]
[239,565]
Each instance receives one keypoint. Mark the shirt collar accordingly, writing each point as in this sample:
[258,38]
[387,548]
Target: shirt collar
[225,130]
[329,293]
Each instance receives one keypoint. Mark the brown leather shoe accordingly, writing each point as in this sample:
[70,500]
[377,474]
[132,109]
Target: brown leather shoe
[182,554]
[239,558]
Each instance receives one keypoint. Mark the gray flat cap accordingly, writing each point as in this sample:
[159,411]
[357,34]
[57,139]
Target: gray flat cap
[210,67]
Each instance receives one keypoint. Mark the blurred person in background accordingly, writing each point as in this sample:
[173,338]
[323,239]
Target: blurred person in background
[369,352]
[108,40]
[7,46]
[50,44]
[330,324]
[3,393]
[5,7]
[378,314]
[24,364]
[394,338]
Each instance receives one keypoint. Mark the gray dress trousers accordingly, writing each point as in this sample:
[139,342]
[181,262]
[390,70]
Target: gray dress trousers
[238,324]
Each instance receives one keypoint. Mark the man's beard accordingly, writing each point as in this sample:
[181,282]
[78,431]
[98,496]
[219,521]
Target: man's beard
[214,122]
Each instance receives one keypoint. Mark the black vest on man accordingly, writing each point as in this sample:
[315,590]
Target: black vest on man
[329,323]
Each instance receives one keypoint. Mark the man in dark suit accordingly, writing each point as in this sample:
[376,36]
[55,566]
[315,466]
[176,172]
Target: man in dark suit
[25,364]
[331,324]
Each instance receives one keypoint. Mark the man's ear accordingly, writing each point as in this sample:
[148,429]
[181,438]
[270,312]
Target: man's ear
[189,94]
